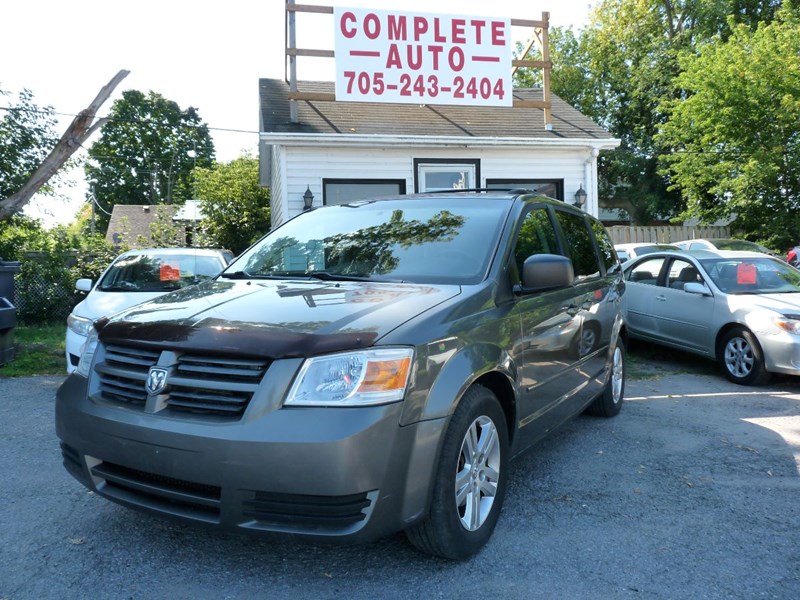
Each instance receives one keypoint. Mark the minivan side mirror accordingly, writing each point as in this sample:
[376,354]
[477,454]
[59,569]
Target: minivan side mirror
[83,285]
[546,271]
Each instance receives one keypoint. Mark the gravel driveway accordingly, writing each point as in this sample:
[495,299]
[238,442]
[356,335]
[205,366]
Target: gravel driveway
[692,492]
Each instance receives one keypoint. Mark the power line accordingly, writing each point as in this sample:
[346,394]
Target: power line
[139,121]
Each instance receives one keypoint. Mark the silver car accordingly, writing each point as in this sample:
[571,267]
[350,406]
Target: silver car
[741,309]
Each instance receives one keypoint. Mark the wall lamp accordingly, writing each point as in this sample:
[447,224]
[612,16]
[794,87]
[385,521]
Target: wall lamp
[580,197]
[308,198]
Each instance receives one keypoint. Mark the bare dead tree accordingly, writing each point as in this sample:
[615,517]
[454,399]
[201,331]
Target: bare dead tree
[81,128]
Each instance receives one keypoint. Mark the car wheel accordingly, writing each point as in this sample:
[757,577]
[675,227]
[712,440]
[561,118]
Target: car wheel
[589,338]
[470,480]
[609,402]
[742,359]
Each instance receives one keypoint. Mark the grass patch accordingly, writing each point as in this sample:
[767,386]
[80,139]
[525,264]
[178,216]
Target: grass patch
[40,351]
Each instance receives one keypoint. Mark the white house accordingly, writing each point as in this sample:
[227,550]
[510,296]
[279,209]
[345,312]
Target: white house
[343,151]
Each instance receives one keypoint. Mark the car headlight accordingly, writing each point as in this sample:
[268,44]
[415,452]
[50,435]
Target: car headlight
[361,378]
[790,323]
[87,356]
[79,325]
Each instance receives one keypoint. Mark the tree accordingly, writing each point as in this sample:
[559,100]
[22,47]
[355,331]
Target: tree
[735,135]
[80,130]
[236,210]
[621,69]
[146,153]
[27,132]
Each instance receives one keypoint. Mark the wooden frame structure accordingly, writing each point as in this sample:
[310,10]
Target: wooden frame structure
[540,37]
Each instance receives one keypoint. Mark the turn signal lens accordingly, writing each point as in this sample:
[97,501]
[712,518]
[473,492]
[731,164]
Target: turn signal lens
[787,323]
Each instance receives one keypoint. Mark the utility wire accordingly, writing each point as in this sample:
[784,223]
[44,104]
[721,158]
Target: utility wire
[121,120]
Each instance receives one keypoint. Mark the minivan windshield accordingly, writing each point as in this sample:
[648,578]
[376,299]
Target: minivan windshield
[425,240]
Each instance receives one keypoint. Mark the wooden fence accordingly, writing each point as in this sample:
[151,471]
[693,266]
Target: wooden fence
[621,234]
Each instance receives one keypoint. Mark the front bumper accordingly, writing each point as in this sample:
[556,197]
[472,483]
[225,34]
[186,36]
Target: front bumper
[349,473]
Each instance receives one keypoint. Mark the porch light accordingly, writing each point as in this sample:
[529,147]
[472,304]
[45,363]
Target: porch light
[580,197]
[308,198]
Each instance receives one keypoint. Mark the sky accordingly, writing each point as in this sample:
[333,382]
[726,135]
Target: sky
[201,54]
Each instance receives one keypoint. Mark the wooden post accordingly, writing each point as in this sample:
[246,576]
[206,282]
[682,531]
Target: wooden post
[548,118]
[292,33]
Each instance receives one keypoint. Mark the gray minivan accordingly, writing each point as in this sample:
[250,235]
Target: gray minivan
[363,369]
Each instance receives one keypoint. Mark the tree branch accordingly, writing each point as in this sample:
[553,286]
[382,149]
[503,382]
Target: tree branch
[75,135]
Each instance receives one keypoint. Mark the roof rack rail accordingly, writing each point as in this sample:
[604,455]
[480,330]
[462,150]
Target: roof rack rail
[509,190]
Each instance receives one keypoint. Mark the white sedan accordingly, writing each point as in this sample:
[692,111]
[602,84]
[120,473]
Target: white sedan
[741,309]
[134,277]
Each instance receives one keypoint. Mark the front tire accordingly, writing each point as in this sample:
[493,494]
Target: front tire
[470,480]
[742,359]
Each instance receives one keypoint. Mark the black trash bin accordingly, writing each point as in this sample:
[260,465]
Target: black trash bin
[8,312]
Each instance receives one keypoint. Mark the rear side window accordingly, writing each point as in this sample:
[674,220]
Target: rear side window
[581,247]
[646,272]
[536,236]
[608,257]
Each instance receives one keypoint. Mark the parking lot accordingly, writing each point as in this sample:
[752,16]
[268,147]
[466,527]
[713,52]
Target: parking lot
[692,492]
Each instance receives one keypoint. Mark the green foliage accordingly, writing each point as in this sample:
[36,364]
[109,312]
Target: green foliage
[569,76]
[235,207]
[27,134]
[146,153]
[50,262]
[621,70]
[735,134]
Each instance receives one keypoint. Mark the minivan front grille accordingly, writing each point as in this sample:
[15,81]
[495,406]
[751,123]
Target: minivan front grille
[124,372]
[199,384]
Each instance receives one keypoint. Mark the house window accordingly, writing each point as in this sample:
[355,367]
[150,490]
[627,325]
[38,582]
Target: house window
[553,188]
[342,191]
[432,174]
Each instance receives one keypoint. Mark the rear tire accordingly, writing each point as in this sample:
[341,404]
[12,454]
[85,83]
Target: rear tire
[742,359]
[609,402]
[470,480]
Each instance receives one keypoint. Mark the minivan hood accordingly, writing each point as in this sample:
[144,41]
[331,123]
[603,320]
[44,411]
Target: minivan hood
[274,319]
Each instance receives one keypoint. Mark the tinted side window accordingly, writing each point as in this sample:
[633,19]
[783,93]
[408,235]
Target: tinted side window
[536,236]
[581,247]
[607,255]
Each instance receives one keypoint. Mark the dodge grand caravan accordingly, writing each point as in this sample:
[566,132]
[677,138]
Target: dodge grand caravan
[363,369]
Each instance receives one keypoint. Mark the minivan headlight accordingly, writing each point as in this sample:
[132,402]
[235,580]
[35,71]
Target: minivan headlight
[361,378]
[79,325]
[87,356]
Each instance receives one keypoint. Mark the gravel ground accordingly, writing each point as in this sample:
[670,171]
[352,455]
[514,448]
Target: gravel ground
[692,492]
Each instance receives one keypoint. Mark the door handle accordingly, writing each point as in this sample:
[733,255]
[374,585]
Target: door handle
[661,298]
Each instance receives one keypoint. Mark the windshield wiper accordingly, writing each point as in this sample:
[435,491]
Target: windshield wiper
[326,276]
[236,275]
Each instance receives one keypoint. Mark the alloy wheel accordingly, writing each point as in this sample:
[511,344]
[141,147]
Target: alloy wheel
[739,358]
[477,473]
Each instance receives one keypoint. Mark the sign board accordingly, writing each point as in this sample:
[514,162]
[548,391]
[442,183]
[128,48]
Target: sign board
[418,58]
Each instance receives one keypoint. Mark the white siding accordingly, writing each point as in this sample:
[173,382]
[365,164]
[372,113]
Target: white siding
[296,168]
[279,211]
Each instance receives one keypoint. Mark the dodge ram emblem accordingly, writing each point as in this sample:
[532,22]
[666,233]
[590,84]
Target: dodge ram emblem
[156,380]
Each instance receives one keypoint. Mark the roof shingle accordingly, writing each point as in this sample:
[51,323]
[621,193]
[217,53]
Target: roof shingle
[435,120]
